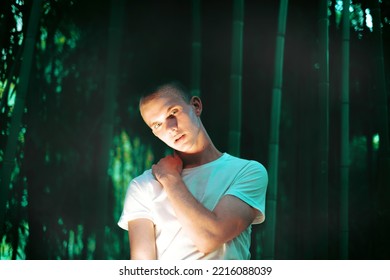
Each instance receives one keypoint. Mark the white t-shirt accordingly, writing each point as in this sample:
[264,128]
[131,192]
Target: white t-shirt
[208,183]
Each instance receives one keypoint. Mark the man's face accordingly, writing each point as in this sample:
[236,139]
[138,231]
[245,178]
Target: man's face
[174,121]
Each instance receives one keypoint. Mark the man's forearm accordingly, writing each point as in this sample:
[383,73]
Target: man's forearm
[208,229]
[197,221]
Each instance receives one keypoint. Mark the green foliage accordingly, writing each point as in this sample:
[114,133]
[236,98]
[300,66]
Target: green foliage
[375,142]
[12,17]
[51,215]
[8,249]
[360,17]
[5,249]
[129,158]
[14,241]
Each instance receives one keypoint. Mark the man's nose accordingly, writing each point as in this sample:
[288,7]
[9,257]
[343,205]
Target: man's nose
[172,125]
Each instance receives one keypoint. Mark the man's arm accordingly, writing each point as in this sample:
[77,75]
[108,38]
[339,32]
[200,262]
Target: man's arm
[208,229]
[142,240]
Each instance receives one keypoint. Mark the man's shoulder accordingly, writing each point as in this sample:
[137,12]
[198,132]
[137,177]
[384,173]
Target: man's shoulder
[145,184]
[247,163]
[147,173]
[144,178]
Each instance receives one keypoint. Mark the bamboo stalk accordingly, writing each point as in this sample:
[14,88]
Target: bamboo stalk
[382,94]
[236,78]
[273,153]
[107,129]
[344,172]
[16,121]
[323,168]
[381,191]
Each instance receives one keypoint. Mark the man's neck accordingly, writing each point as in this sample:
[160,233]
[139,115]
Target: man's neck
[209,154]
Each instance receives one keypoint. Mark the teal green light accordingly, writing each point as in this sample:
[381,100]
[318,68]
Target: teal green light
[368,19]
[375,142]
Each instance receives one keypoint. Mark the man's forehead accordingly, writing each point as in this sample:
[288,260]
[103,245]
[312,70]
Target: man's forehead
[157,107]
[162,97]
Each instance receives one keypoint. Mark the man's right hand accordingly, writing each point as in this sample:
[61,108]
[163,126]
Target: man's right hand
[167,168]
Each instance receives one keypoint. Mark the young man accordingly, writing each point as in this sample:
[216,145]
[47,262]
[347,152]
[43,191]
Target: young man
[198,203]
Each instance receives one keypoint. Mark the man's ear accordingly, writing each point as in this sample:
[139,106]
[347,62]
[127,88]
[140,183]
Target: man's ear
[197,103]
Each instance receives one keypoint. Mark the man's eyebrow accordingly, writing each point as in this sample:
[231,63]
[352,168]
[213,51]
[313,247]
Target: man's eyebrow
[170,108]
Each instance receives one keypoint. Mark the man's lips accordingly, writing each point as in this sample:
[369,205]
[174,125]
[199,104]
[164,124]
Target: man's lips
[179,137]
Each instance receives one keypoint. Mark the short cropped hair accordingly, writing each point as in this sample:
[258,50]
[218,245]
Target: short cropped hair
[173,87]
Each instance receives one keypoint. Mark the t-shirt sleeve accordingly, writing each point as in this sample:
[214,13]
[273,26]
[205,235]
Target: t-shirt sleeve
[136,205]
[250,186]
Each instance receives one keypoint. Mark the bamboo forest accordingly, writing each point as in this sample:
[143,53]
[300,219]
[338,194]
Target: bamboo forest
[299,86]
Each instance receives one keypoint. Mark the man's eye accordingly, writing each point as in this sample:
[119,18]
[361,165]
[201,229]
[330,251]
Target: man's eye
[173,112]
[157,125]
